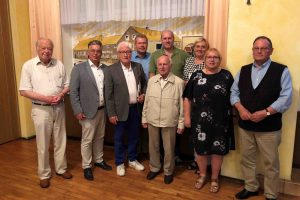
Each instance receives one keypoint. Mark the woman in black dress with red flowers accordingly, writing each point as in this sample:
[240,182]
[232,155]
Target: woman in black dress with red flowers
[208,113]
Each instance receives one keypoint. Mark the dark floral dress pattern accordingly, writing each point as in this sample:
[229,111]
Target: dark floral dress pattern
[211,112]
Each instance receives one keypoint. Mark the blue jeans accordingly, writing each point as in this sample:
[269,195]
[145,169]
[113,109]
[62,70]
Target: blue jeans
[132,126]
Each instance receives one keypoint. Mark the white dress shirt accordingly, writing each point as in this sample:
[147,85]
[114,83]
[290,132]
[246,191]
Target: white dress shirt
[99,77]
[131,84]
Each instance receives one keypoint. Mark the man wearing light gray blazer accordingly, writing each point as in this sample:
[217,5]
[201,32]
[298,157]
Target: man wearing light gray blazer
[125,87]
[87,100]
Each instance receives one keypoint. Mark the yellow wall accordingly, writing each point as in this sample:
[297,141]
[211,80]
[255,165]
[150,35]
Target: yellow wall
[19,13]
[279,20]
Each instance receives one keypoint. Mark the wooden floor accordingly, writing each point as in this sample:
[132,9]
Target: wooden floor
[19,180]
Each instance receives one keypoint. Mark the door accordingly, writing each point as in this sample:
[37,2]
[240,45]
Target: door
[9,115]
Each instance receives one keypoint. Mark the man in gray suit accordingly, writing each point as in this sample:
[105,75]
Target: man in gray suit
[87,100]
[125,86]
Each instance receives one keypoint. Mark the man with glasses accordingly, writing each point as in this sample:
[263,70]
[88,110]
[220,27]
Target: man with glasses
[261,92]
[87,100]
[125,87]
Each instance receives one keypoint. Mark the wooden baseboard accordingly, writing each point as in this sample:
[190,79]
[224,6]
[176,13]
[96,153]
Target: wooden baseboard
[285,186]
[28,138]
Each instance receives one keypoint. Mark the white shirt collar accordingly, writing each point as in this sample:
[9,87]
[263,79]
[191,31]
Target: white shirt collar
[125,68]
[93,65]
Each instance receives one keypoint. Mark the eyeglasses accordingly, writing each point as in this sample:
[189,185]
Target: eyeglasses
[263,49]
[95,51]
[213,57]
[124,52]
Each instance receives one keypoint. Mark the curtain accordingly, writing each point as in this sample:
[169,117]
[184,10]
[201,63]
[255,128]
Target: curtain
[84,11]
[216,26]
[45,22]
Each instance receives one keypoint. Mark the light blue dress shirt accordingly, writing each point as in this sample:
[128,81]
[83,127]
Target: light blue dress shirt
[257,73]
[143,61]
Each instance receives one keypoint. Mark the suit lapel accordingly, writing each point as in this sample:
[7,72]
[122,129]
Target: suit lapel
[90,73]
[121,74]
[135,72]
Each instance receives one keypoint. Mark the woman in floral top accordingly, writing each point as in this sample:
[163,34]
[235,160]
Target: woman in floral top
[196,62]
[208,113]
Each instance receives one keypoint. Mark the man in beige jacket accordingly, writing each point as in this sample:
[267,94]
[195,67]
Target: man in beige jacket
[163,112]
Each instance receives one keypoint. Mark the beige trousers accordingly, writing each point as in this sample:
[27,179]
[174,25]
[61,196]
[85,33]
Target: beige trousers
[50,120]
[169,138]
[93,131]
[266,143]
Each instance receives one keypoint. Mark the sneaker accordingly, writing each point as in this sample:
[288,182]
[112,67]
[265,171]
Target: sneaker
[136,165]
[121,170]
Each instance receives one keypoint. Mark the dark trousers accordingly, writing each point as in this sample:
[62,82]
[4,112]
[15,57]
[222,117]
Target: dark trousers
[132,126]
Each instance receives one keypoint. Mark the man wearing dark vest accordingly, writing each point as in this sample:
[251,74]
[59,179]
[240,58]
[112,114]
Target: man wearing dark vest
[261,92]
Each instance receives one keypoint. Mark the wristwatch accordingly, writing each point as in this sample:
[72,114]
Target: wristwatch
[268,113]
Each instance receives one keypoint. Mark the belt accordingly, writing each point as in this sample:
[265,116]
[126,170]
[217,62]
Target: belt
[132,105]
[100,107]
[40,104]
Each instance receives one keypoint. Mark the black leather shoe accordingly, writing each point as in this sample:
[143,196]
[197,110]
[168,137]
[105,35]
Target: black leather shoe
[245,194]
[152,175]
[270,198]
[88,174]
[103,165]
[168,179]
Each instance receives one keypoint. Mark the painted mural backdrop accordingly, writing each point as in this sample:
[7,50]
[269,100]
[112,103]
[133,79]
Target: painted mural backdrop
[186,31]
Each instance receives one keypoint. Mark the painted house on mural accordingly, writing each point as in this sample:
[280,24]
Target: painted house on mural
[110,43]
[109,50]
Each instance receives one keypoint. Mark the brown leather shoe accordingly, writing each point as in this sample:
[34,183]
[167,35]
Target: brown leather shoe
[66,175]
[44,183]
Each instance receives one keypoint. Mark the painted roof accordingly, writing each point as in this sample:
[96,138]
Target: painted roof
[153,35]
[111,39]
[83,44]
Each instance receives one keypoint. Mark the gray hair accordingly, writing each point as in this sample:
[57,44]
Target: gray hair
[126,44]
[164,55]
[37,43]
